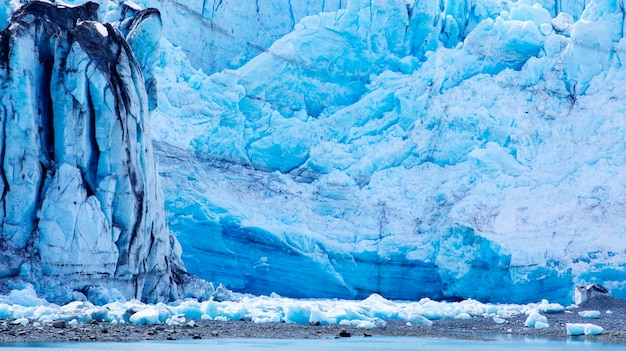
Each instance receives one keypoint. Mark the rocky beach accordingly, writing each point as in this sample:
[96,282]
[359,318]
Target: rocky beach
[612,320]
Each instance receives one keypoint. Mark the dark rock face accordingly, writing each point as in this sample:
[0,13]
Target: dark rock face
[80,202]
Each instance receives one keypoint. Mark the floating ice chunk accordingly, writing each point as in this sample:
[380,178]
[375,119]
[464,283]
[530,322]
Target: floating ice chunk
[318,316]
[420,320]
[147,316]
[374,300]
[499,320]
[533,317]
[297,314]
[101,296]
[346,322]
[209,309]
[235,312]
[592,329]
[575,328]
[546,307]
[5,311]
[366,325]
[20,321]
[191,309]
[382,308]
[591,314]
[583,329]
[25,297]
[176,320]
[355,313]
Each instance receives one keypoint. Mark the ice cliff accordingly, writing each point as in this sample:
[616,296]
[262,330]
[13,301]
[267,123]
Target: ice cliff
[435,148]
[448,149]
[82,213]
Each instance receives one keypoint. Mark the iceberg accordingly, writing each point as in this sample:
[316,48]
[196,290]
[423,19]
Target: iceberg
[576,329]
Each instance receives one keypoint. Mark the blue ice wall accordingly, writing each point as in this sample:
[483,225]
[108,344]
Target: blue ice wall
[413,149]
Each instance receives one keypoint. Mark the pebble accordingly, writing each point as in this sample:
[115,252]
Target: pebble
[59,324]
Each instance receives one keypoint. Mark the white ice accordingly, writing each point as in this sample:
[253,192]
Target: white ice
[25,307]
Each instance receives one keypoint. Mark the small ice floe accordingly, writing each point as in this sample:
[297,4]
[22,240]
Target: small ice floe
[546,307]
[575,329]
[591,314]
[366,325]
[499,320]
[463,315]
[20,321]
[146,316]
[535,317]
[176,320]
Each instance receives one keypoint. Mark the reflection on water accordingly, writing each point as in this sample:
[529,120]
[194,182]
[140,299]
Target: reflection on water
[348,344]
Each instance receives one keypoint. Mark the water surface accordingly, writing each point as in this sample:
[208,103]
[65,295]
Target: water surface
[347,344]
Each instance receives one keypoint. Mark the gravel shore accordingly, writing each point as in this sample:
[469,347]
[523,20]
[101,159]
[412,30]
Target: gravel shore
[614,324]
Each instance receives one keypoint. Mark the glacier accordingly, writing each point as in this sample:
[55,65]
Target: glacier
[445,149]
[448,149]
[82,208]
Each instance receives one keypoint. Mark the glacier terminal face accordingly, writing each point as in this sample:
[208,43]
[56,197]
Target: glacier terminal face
[448,149]
[444,149]
[81,205]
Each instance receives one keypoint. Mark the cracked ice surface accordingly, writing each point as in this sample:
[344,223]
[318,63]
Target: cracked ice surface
[472,151]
